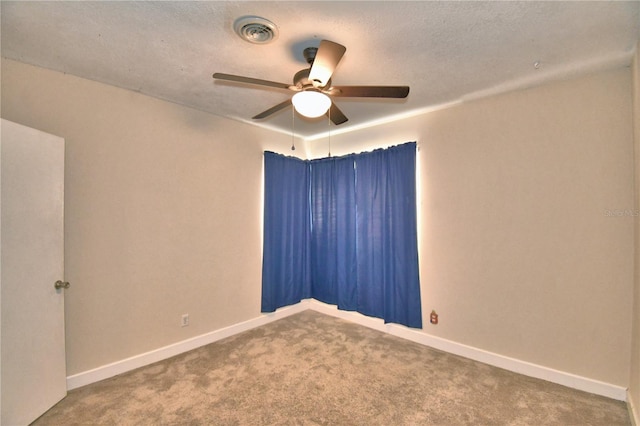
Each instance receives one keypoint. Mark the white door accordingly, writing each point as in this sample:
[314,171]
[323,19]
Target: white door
[32,361]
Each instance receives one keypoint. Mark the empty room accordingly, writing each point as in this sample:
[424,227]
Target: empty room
[338,213]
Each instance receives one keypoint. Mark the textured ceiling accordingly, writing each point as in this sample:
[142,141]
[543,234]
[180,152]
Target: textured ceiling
[445,51]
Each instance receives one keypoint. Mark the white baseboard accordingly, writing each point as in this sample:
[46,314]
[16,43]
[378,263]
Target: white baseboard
[511,364]
[633,411]
[128,364]
[507,363]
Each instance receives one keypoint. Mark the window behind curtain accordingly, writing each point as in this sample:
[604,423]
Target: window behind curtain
[343,231]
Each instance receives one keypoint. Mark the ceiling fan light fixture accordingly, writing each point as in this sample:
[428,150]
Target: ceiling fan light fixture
[310,103]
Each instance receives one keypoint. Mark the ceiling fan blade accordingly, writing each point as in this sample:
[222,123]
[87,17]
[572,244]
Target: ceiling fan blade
[370,91]
[325,62]
[249,80]
[273,110]
[336,116]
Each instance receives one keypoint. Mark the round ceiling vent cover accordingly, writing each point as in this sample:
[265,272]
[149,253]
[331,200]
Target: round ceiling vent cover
[255,29]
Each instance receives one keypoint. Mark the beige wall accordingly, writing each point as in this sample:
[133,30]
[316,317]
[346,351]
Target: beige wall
[163,213]
[517,255]
[634,387]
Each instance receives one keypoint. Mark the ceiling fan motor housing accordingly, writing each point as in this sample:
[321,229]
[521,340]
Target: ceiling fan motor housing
[302,82]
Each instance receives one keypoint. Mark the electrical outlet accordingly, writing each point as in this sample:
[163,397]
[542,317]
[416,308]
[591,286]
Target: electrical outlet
[185,320]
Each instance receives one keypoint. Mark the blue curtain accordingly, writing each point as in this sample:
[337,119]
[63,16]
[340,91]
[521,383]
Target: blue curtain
[285,258]
[357,235]
[388,278]
[333,232]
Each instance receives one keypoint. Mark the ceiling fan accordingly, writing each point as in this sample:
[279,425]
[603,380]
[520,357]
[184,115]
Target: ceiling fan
[313,85]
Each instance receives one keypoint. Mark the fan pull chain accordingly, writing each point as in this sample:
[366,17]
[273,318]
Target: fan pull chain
[329,122]
[293,127]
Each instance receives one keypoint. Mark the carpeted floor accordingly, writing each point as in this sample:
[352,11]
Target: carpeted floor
[313,369]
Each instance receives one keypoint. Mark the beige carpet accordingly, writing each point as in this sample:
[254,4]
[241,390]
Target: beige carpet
[312,369]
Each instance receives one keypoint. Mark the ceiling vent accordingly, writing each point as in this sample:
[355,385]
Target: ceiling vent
[255,29]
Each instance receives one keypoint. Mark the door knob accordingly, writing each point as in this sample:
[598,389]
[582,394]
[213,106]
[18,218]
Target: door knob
[61,284]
